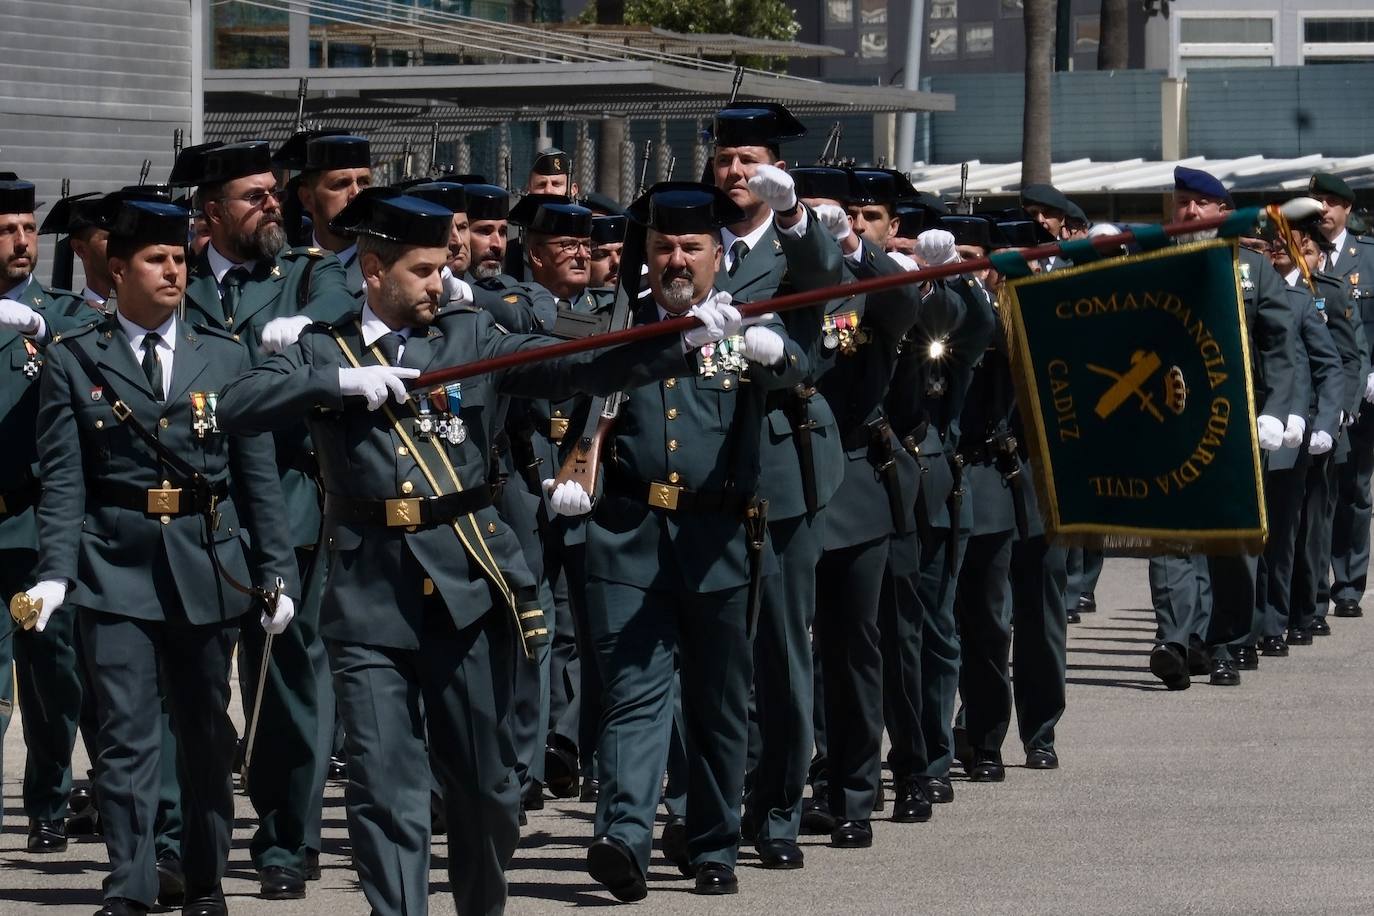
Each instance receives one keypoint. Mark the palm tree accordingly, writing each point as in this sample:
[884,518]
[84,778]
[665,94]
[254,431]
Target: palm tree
[1113,45]
[1038,20]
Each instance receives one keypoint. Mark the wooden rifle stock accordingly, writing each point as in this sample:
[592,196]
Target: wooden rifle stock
[584,461]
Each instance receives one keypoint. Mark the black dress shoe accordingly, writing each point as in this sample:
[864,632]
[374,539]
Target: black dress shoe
[1199,659]
[533,798]
[47,836]
[987,767]
[780,854]
[312,865]
[281,883]
[1245,658]
[560,768]
[611,864]
[939,789]
[1321,627]
[171,881]
[911,805]
[338,769]
[1168,663]
[852,835]
[673,844]
[1087,603]
[120,906]
[83,819]
[1275,647]
[716,878]
[591,788]
[209,903]
[1224,674]
[1042,758]
[1299,636]
[1347,608]
[1073,616]
[816,819]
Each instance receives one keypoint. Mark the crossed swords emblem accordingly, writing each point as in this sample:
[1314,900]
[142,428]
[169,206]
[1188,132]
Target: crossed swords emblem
[1131,383]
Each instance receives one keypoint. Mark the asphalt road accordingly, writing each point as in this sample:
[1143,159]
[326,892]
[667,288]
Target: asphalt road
[1213,800]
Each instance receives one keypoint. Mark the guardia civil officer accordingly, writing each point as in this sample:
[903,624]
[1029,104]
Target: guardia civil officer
[332,168]
[177,516]
[428,595]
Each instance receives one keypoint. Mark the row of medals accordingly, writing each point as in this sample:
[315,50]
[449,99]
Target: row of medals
[438,415]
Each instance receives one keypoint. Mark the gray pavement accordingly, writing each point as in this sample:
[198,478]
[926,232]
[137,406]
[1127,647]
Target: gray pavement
[1244,800]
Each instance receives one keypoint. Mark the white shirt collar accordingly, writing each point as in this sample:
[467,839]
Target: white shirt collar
[1292,277]
[220,265]
[374,328]
[755,236]
[18,292]
[93,297]
[135,333]
[1339,242]
[345,257]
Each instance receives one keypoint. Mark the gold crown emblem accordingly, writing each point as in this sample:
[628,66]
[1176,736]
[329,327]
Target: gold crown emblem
[1175,391]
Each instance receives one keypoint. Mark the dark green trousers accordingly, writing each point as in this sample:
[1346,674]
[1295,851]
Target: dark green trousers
[1233,603]
[848,589]
[135,665]
[1181,592]
[636,632]
[444,705]
[1350,527]
[1313,561]
[286,774]
[16,574]
[1084,569]
[1040,639]
[983,609]
[1274,595]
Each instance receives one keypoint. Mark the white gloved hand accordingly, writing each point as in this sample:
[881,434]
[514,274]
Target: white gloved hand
[375,383]
[1269,431]
[19,318]
[52,593]
[935,247]
[280,333]
[764,346]
[835,221]
[1300,208]
[775,187]
[456,290]
[1292,433]
[1369,388]
[284,612]
[903,260]
[568,497]
[1320,443]
[719,320]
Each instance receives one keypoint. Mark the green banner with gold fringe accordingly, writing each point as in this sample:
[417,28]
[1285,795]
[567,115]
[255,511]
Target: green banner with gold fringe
[1134,387]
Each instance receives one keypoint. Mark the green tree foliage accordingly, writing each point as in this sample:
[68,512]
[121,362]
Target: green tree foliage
[772,19]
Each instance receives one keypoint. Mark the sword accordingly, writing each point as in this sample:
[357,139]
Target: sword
[262,684]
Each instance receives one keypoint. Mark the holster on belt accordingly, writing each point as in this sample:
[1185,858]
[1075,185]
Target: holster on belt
[1002,446]
[912,443]
[954,504]
[797,406]
[756,530]
[884,457]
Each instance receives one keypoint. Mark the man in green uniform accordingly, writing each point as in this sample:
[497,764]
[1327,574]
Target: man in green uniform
[427,592]
[177,517]
[333,168]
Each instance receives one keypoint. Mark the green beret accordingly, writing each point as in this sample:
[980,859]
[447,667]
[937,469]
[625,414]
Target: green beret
[1326,183]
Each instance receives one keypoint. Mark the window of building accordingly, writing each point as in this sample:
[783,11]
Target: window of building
[978,39]
[1224,41]
[1196,29]
[943,43]
[1337,39]
[944,9]
[1012,9]
[873,45]
[839,12]
[1087,33]
[248,38]
[1212,63]
[873,12]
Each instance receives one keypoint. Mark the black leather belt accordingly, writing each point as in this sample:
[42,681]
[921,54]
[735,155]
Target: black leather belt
[676,498]
[17,501]
[164,500]
[405,511]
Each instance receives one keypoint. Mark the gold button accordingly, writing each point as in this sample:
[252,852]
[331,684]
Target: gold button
[99,424]
[672,413]
[407,487]
[403,451]
[428,586]
[236,337]
[671,383]
[166,520]
[674,477]
[164,423]
[672,445]
[491,527]
[558,413]
[725,383]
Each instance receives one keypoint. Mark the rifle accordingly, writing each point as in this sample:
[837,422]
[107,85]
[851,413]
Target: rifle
[176,144]
[433,149]
[62,259]
[300,105]
[964,204]
[672,164]
[405,160]
[644,170]
[830,153]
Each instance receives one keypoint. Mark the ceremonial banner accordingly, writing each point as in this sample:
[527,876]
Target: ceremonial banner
[1134,388]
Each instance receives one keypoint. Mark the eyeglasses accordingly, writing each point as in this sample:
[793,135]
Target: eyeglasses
[568,246]
[257,199]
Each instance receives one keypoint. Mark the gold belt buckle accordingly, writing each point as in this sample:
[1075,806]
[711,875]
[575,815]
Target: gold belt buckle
[402,512]
[663,495]
[558,428]
[164,501]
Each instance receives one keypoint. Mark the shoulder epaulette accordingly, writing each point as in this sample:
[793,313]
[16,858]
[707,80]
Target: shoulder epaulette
[73,333]
[306,251]
[209,330]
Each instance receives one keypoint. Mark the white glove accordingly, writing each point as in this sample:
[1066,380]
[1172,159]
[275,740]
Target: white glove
[1292,433]
[935,247]
[1300,208]
[1269,431]
[835,221]
[1369,388]
[280,333]
[19,318]
[719,320]
[281,616]
[775,187]
[568,497]
[52,593]
[1320,443]
[375,383]
[904,260]
[456,290]
[764,346]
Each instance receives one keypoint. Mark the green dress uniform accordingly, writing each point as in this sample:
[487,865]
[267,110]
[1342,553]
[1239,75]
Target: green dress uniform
[45,664]
[418,617]
[149,599]
[287,773]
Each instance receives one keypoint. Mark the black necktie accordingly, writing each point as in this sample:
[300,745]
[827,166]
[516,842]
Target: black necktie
[232,287]
[152,366]
[390,346]
[737,252]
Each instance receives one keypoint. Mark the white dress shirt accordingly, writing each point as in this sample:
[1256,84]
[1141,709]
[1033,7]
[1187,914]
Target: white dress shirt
[166,347]
[220,265]
[374,329]
[728,238]
[1339,242]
